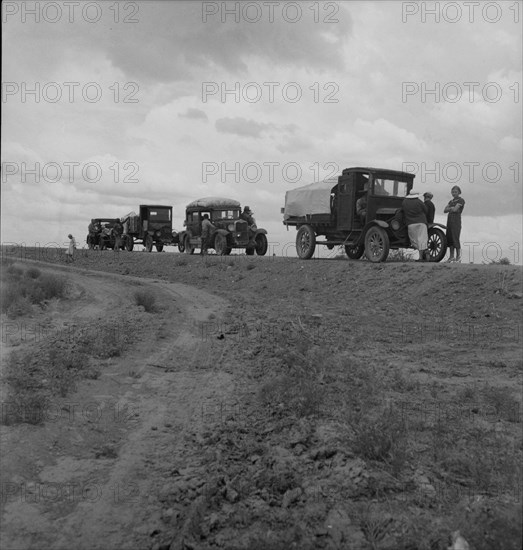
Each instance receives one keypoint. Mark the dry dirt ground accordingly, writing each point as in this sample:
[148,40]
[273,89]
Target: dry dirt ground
[267,403]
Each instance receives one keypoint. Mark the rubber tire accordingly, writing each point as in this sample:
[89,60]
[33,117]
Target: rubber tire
[181,246]
[129,243]
[220,245]
[305,242]
[261,244]
[376,239]
[159,247]
[189,248]
[354,252]
[148,242]
[438,240]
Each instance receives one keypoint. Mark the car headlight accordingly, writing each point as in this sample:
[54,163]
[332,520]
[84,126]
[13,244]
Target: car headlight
[395,224]
[230,227]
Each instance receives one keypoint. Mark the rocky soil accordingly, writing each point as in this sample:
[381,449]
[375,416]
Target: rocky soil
[270,403]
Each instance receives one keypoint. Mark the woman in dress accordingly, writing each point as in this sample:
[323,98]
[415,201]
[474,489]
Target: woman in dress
[454,209]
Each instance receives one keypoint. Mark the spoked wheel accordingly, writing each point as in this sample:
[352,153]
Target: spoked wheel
[261,244]
[305,242]
[437,244]
[181,246]
[159,247]
[129,243]
[354,252]
[376,244]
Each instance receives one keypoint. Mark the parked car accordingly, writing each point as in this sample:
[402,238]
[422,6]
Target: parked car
[329,211]
[232,231]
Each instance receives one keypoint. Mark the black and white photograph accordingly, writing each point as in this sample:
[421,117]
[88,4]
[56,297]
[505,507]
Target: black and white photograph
[261,275]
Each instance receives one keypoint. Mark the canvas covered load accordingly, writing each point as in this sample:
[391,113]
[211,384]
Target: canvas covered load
[314,198]
[214,202]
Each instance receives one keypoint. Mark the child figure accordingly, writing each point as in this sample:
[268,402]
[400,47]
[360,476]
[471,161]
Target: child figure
[69,253]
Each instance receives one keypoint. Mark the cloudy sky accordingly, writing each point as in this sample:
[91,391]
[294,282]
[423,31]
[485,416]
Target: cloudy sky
[108,105]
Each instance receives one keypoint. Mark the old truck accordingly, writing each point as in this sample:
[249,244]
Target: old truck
[153,226]
[102,237]
[329,210]
[232,231]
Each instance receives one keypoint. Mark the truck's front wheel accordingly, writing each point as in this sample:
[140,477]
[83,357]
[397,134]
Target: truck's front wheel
[305,242]
[437,244]
[129,243]
[376,244]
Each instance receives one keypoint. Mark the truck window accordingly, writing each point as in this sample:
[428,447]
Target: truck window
[160,215]
[390,188]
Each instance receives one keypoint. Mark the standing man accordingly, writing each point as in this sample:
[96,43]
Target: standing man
[431,209]
[247,216]
[207,230]
[416,219]
[117,233]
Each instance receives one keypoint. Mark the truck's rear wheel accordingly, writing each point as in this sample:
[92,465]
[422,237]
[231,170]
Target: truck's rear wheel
[354,252]
[159,247]
[305,242]
[261,244]
[148,243]
[376,244]
[437,244]
[129,243]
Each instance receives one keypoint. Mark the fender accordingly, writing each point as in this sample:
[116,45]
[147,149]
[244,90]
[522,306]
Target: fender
[437,225]
[261,231]
[381,223]
[221,232]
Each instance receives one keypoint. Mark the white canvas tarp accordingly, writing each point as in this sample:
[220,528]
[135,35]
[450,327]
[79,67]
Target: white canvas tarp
[310,199]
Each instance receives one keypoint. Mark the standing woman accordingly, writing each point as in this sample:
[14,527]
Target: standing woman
[454,209]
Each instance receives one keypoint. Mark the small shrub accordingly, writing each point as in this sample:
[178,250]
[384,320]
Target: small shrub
[18,306]
[502,261]
[52,286]
[33,273]
[382,438]
[146,299]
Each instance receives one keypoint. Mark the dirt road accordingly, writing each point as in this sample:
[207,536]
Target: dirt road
[92,477]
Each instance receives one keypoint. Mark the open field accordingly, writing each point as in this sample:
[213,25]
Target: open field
[261,402]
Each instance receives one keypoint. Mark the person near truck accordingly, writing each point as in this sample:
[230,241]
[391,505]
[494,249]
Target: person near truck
[117,234]
[431,209]
[361,208]
[416,219]
[454,209]
[207,230]
[247,215]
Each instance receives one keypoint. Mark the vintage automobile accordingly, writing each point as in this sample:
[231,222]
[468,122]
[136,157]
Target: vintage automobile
[326,210]
[152,226]
[232,231]
[102,238]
